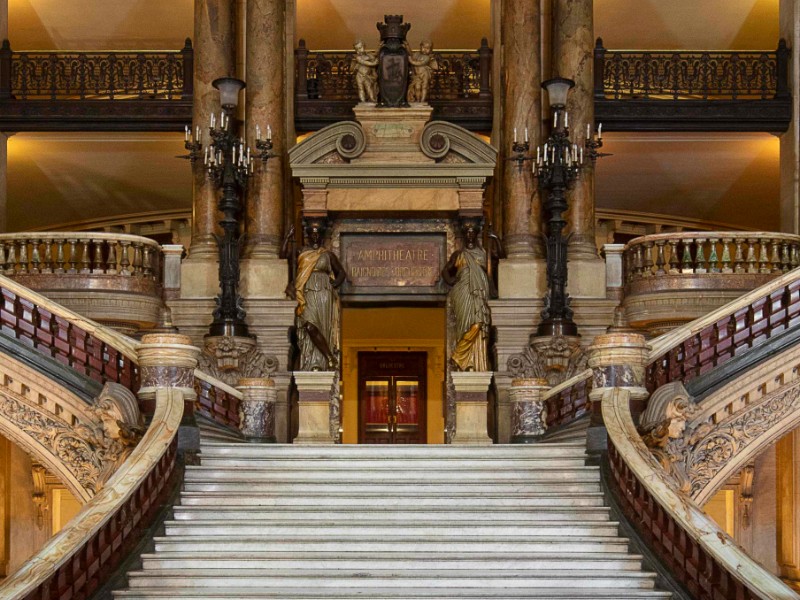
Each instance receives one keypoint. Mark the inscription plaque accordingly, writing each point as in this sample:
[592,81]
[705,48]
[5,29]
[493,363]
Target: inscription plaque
[393,263]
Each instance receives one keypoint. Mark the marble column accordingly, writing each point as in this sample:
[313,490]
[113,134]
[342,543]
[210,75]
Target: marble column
[214,56]
[4,181]
[521,74]
[788,507]
[5,505]
[790,141]
[572,57]
[263,274]
[522,274]
[257,409]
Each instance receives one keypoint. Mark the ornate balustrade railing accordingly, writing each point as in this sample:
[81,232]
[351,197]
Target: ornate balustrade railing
[695,90]
[696,348]
[701,557]
[700,271]
[568,401]
[217,401]
[98,75]
[720,252]
[691,74]
[461,91]
[149,90]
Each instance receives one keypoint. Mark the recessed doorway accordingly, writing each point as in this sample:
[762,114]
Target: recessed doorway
[391,397]
[412,383]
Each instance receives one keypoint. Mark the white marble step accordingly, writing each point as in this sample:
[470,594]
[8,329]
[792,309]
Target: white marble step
[403,515]
[367,529]
[390,561]
[432,579]
[487,501]
[420,463]
[388,593]
[463,488]
[466,544]
[392,475]
[396,452]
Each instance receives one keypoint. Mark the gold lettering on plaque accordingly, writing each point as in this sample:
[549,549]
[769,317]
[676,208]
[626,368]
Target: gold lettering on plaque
[393,260]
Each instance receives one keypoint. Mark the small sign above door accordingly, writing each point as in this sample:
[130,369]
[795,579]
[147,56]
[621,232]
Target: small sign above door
[393,263]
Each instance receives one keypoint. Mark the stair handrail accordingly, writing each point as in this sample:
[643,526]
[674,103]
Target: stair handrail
[554,400]
[136,488]
[716,337]
[712,565]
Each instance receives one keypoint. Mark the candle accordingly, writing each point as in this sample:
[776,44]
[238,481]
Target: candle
[234,155]
[205,160]
[213,120]
[538,153]
[515,135]
[198,133]
[526,135]
[269,133]
[186,134]
[555,119]
[600,131]
[566,119]
[258,133]
[588,131]
[581,155]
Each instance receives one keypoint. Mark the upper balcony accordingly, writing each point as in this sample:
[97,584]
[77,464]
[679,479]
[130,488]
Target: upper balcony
[635,90]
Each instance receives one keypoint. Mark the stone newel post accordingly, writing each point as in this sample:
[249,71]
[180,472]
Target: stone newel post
[314,404]
[617,360]
[257,409]
[471,406]
[528,410]
[169,361]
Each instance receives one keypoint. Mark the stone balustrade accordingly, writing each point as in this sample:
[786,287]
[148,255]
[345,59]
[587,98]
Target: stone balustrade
[670,279]
[115,279]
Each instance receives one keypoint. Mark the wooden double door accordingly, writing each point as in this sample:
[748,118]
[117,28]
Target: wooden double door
[391,397]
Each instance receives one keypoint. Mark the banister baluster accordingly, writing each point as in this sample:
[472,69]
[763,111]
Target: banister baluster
[11,258]
[687,256]
[713,258]
[124,259]
[674,260]
[638,266]
[763,257]
[752,266]
[47,262]
[775,259]
[73,255]
[147,261]
[60,255]
[660,259]
[111,262]
[700,256]
[726,255]
[738,258]
[137,258]
[23,257]
[35,256]
[648,259]
[98,264]
[86,263]
[786,261]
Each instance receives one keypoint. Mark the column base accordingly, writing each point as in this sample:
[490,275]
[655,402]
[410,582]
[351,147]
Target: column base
[587,277]
[314,391]
[264,277]
[200,277]
[471,406]
[523,277]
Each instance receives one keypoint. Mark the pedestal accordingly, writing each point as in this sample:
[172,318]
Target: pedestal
[471,407]
[314,390]
[528,412]
[586,278]
[522,277]
[257,409]
[263,277]
[617,360]
[393,134]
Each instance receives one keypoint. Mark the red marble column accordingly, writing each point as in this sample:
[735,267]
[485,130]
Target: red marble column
[521,99]
[266,105]
[573,46]
[214,56]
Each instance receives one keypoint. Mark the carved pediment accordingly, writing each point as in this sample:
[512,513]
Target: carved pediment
[345,139]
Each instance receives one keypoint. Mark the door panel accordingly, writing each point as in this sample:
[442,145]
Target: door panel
[392,397]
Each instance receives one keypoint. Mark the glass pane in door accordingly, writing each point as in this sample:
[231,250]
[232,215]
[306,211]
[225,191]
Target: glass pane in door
[377,402]
[407,404]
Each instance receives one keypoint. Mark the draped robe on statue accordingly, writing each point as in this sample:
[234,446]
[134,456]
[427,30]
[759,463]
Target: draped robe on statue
[469,298]
[317,304]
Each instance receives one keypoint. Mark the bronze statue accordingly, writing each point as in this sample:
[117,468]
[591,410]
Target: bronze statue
[365,67]
[469,298]
[317,316]
[423,64]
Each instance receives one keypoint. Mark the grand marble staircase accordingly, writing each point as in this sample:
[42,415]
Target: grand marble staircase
[380,522]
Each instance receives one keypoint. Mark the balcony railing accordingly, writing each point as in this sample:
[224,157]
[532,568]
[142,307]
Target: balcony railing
[701,90]
[325,90]
[150,90]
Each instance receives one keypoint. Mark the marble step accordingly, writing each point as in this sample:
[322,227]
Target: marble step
[466,544]
[407,514]
[392,475]
[389,561]
[431,578]
[389,593]
[444,529]
[397,452]
[385,489]
[421,463]
[487,501]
